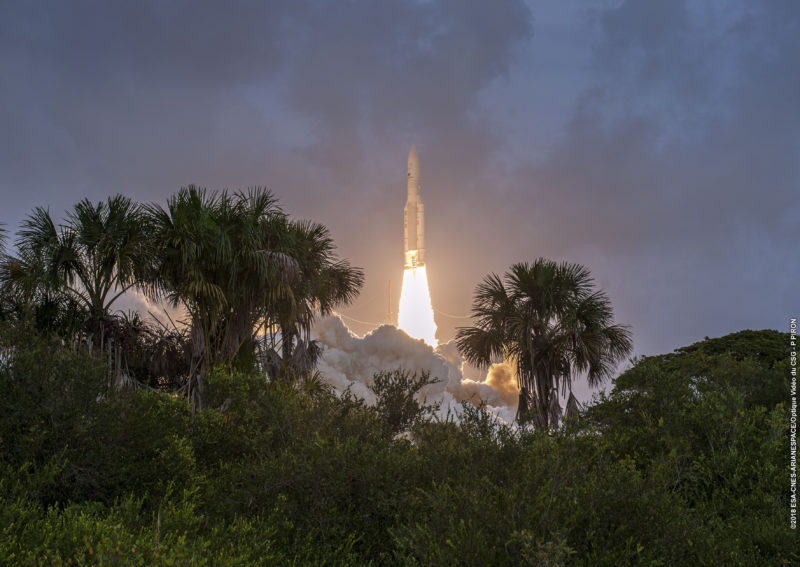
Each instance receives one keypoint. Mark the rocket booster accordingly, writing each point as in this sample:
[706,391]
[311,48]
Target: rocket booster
[414,214]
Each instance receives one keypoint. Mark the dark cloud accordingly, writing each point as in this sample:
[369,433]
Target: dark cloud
[677,173]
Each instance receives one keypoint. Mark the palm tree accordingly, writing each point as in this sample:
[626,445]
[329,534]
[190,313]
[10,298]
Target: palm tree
[324,283]
[26,287]
[94,258]
[218,255]
[238,264]
[549,320]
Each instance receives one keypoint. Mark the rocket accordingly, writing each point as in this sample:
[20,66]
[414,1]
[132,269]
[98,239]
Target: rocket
[414,215]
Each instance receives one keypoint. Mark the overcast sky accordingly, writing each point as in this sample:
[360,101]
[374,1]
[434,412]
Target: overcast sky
[657,143]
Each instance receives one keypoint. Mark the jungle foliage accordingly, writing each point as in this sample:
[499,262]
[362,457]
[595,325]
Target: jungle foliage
[682,463]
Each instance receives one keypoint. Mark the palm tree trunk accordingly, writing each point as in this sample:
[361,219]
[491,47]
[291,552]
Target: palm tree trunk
[287,340]
[543,402]
[199,367]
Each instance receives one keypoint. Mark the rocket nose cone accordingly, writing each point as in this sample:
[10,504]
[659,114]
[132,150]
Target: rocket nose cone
[413,163]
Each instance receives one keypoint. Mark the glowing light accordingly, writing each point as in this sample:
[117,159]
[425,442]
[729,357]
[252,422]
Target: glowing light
[415,315]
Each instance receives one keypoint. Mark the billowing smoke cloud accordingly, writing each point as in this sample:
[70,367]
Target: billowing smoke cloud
[501,378]
[349,361]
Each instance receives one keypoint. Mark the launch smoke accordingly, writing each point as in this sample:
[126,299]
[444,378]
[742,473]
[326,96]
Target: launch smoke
[350,361]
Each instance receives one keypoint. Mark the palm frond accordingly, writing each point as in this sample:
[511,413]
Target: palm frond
[38,230]
[554,408]
[480,347]
[573,407]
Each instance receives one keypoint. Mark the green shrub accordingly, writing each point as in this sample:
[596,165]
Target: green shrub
[397,393]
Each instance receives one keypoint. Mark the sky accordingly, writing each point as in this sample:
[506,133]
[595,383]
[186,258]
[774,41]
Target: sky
[657,143]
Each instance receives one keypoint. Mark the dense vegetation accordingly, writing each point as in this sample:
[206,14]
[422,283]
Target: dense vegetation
[682,463]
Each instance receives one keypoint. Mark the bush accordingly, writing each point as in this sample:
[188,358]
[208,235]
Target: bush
[397,393]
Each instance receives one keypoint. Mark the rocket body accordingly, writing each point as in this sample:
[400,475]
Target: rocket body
[414,214]
[415,310]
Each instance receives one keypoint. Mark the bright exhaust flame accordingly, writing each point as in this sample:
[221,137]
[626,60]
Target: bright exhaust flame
[415,315]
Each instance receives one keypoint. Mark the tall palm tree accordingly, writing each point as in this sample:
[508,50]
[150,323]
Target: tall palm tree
[218,255]
[94,258]
[550,321]
[238,264]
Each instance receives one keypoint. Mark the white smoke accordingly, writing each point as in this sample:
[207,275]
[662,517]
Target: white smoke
[351,361]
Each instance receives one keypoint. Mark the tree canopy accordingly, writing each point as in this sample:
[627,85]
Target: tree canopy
[246,274]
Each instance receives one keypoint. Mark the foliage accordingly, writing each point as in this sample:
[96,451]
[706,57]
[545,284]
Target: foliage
[237,264]
[709,422]
[214,256]
[251,280]
[324,283]
[150,352]
[549,320]
[397,393]
[98,254]
[682,464]
[58,413]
